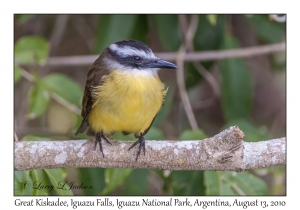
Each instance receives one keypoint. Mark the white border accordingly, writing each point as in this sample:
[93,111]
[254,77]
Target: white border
[154,6]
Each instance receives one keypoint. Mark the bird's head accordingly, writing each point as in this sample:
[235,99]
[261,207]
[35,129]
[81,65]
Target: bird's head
[133,56]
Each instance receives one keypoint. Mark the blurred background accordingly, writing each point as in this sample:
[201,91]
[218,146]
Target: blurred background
[52,57]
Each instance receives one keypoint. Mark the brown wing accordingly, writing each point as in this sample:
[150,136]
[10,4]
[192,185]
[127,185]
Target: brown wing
[95,77]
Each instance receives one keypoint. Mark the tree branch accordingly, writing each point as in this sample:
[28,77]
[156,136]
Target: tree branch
[224,151]
[87,60]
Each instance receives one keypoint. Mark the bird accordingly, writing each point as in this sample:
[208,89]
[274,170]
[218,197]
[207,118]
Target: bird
[123,92]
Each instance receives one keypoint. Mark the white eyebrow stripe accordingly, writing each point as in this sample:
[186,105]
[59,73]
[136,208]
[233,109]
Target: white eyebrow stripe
[137,72]
[127,50]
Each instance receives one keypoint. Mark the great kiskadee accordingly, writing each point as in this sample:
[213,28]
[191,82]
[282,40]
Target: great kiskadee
[123,92]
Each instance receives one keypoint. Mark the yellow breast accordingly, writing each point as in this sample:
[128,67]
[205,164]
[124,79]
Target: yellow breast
[126,102]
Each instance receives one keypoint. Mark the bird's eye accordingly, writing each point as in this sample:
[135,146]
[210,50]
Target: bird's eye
[137,58]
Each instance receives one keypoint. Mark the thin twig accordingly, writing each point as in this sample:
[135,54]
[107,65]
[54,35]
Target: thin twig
[54,96]
[180,74]
[208,77]
[212,55]
[58,32]
[83,28]
[65,103]
[27,75]
[225,151]
[16,137]
[190,48]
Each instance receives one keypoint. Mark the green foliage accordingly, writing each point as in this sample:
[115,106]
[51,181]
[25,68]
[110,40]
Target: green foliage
[155,134]
[232,183]
[39,179]
[114,177]
[209,36]
[168,31]
[17,74]
[65,87]
[192,135]
[165,109]
[41,182]
[212,19]
[35,138]
[140,30]
[236,84]
[56,177]
[113,28]
[137,183]
[39,99]
[32,49]
[22,18]
[21,180]
[187,183]
[120,136]
[268,31]
[92,177]
[210,32]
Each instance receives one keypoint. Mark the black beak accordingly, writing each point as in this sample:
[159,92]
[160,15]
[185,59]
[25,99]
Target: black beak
[161,64]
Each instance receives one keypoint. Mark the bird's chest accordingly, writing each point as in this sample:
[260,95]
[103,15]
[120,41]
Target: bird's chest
[125,101]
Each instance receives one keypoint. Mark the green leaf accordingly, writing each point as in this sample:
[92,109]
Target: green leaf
[165,177]
[137,183]
[233,183]
[65,87]
[114,177]
[24,17]
[163,113]
[17,74]
[140,30]
[155,134]
[253,133]
[35,138]
[57,177]
[212,19]
[246,183]
[168,31]
[22,183]
[187,183]
[120,136]
[267,30]
[39,183]
[92,177]
[39,98]
[32,49]
[236,85]
[208,37]
[113,28]
[278,173]
[193,135]
[213,183]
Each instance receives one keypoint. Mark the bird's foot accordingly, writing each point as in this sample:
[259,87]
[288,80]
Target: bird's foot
[99,137]
[142,142]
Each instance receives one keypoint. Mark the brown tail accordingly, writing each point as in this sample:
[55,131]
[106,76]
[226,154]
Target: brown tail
[83,126]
